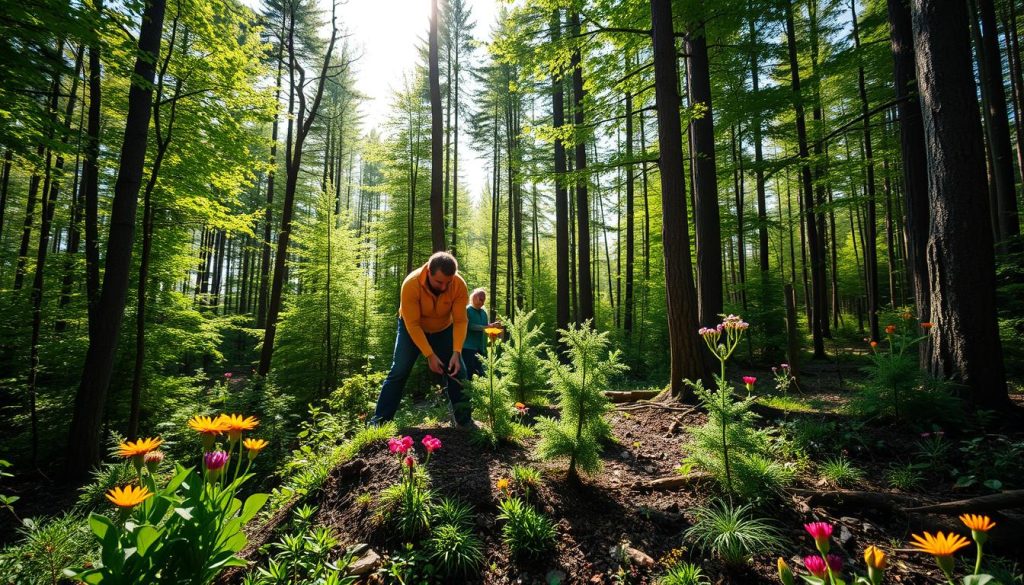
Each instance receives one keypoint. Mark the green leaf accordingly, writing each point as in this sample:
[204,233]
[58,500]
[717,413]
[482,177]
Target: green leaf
[185,513]
[146,536]
[993,484]
[981,579]
[252,506]
[100,525]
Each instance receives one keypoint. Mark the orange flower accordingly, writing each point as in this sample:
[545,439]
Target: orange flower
[208,427]
[493,332]
[940,545]
[254,446]
[129,496]
[234,424]
[977,522]
[907,316]
[503,484]
[874,344]
[890,329]
[139,448]
[927,325]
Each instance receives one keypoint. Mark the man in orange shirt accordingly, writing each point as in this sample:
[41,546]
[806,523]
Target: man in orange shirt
[431,321]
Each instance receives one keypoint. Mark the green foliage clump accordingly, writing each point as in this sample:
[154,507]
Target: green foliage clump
[45,547]
[304,556]
[354,400]
[684,573]
[732,534]
[840,471]
[454,547]
[578,433]
[527,532]
[520,362]
[904,477]
[492,399]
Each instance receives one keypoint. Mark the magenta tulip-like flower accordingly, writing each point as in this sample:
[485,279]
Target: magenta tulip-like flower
[215,460]
[431,443]
[816,565]
[396,445]
[228,375]
[749,381]
[821,532]
[409,461]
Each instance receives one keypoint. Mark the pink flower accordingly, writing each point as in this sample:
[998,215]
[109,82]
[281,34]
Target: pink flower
[431,443]
[821,532]
[409,461]
[749,381]
[396,445]
[215,460]
[228,375]
[835,562]
[784,366]
[816,565]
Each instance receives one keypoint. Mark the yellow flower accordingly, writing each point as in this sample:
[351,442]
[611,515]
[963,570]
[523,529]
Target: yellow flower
[940,545]
[503,484]
[139,448]
[235,423]
[254,446]
[128,497]
[493,332]
[875,558]
[207,425]
[977,522]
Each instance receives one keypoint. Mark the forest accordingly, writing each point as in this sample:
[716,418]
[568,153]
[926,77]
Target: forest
[744,289]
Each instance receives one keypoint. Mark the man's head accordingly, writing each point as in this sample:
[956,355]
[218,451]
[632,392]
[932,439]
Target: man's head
[441,269]
[478,298]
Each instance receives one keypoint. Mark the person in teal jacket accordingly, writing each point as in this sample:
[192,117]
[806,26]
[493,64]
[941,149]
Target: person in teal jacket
[476,339]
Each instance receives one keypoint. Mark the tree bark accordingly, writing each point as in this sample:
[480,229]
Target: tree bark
[965,345]
[264,284]
[871,243]
[583,280]
[913,157]
[817,294]
[84,436]
[436,140]
[705,181]
[681,298]
[627,314]
[561,193]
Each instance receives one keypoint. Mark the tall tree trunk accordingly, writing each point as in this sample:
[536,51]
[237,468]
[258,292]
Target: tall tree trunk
[817,300]
[561,193]
[583,281]
[681,297]
[495,207]
[871,243]
[303,124]
[436,140]
[762,205]
[5,179]
[455,153]
[1016,80]
[965,341]
[90,401]
[999,127]
[705,181]
[627,315]
[912,152]
[268,220]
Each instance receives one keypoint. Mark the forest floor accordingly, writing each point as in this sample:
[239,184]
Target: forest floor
[616,527]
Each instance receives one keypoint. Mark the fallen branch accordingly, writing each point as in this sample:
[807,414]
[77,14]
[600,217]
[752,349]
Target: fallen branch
[647,404]
[888,502]
[989,503]
[673,482]
[631,396]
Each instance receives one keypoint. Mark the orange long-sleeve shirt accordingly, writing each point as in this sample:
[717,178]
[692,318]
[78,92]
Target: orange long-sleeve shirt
[424,312]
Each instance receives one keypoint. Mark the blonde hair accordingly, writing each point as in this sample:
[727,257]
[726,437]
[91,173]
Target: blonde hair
[478,291]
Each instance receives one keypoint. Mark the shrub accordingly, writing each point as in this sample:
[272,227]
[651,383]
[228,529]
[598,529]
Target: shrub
[527,532]
[521,363]
[354,400]
[895,381]
[904,477]
[732,534]
[491,398]
[44,549]
[304,557]
[578,433]
[456,550]
[453,511]
[840,472]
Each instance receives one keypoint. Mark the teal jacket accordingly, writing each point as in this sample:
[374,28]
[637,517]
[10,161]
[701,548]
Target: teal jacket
[478,320]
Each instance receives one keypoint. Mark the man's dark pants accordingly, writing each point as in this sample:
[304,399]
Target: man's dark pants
[474,365]
[404,359]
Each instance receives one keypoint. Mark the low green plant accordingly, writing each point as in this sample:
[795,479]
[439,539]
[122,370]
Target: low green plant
[456,550]
[44,548]
[992,461]
[840,471]
[578,433]
[354,399]
[905,477]
[684,573]
[492,399]
[520,362]
[6,500]
[732,533]
[526,532]
[527,479]
[894,374]
[453,511]
[304,556]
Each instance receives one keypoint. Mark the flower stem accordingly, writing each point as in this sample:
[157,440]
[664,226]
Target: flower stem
[977,563]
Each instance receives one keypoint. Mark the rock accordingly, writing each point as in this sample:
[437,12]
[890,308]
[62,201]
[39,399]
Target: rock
[844,535]
[674,427]
[626,455]
[368,563]
[632,555]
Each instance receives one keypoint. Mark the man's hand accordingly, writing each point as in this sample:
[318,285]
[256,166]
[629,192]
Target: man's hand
[435,365]
[455,364]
